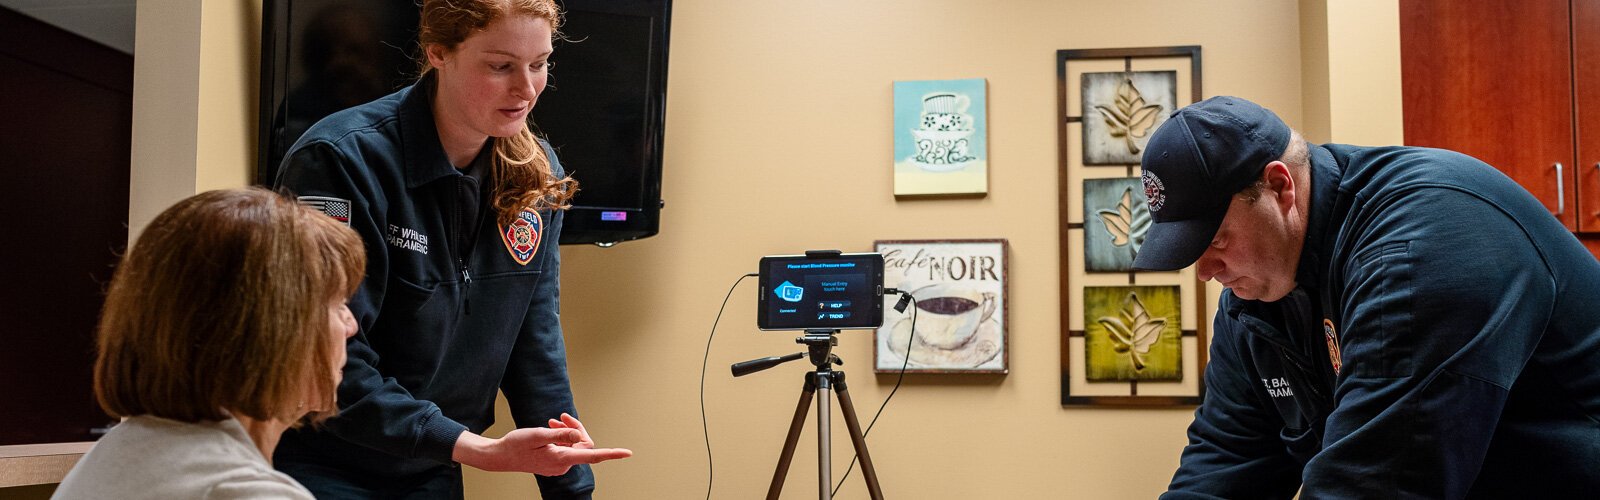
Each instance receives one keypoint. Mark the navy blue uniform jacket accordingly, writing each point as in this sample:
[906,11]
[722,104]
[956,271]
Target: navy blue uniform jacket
[440,330]
[1468,328]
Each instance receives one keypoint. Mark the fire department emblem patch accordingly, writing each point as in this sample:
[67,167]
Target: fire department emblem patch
[1333,345]
[522,237]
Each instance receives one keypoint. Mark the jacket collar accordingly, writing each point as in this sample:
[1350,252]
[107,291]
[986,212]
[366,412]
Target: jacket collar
[419,136]
[1314,254]
[1272,321]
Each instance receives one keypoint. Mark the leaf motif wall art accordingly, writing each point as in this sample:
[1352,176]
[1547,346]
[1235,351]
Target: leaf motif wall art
[1127,106]
[1132,333]
[1128,338]
[1116,219]
[1130,118]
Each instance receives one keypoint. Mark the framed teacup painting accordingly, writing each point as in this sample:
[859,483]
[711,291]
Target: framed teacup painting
[958,321]
[940,131]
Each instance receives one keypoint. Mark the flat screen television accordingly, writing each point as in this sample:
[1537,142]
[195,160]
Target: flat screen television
[604,110]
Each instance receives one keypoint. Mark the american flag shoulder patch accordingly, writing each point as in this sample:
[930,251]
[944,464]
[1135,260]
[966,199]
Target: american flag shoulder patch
[338,208]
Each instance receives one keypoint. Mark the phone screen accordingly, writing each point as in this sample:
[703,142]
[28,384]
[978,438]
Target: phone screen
[837,292]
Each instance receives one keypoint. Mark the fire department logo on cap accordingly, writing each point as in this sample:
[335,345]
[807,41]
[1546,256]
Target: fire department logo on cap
[1154,191]
[522,237]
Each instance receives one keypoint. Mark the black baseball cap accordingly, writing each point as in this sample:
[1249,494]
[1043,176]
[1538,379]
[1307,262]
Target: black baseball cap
[1193,164]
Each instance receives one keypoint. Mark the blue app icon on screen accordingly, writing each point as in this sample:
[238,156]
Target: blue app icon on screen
[788,292]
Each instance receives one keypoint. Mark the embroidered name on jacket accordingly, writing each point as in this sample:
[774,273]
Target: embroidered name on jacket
[407,238]
[1277,387]
[522,237]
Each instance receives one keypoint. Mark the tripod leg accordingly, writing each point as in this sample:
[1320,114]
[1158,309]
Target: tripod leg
[824,438]
[793,439]
[860,442]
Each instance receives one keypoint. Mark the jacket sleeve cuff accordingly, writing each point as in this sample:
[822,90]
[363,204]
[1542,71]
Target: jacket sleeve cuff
[438,439]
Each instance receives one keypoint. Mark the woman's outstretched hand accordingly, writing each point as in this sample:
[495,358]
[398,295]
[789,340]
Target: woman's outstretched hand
[543,451]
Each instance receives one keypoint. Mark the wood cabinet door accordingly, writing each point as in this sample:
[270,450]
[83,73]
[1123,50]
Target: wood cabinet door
[1493,79]
[66,132]
[1586,75]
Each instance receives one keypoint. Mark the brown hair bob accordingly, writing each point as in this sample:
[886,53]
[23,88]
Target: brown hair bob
[522,177]
[221,308]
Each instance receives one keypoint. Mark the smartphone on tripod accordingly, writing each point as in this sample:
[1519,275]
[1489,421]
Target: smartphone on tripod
[821,290]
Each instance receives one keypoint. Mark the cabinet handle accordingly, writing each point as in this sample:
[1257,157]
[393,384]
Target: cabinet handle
[1561,191]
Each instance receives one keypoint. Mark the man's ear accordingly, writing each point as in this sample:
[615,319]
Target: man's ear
[1280,182]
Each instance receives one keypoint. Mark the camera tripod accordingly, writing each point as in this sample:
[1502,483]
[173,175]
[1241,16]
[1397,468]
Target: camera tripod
[819,346]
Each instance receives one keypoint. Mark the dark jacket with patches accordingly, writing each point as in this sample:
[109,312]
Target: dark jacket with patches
[1470,340]
[440,330]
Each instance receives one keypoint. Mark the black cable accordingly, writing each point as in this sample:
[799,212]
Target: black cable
[902,377]
[711,472]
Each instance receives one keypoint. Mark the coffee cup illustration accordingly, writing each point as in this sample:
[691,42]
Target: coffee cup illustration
[948,314]
[945,102]
[943,138]
[946,121]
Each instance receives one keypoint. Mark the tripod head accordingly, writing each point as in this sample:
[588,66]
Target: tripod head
[819,346]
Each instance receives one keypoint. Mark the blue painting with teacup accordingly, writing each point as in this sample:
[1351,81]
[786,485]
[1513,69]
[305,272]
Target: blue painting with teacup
[940,136]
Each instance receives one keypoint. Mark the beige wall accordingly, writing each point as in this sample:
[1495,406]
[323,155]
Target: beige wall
[195,76]
[1364,72]
[166,103]
[1314,122]
[779,141]
[1350,52]
[230,74]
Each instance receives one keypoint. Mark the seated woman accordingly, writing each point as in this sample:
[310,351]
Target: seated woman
[224,325]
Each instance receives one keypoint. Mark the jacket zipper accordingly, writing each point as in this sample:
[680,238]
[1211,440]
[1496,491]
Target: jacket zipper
[466,279]
[462,231]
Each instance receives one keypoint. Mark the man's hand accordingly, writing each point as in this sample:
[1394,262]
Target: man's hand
[546,452]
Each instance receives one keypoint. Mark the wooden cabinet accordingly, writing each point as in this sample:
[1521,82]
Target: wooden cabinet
[66,132]
[1586,91]
[1515,83]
